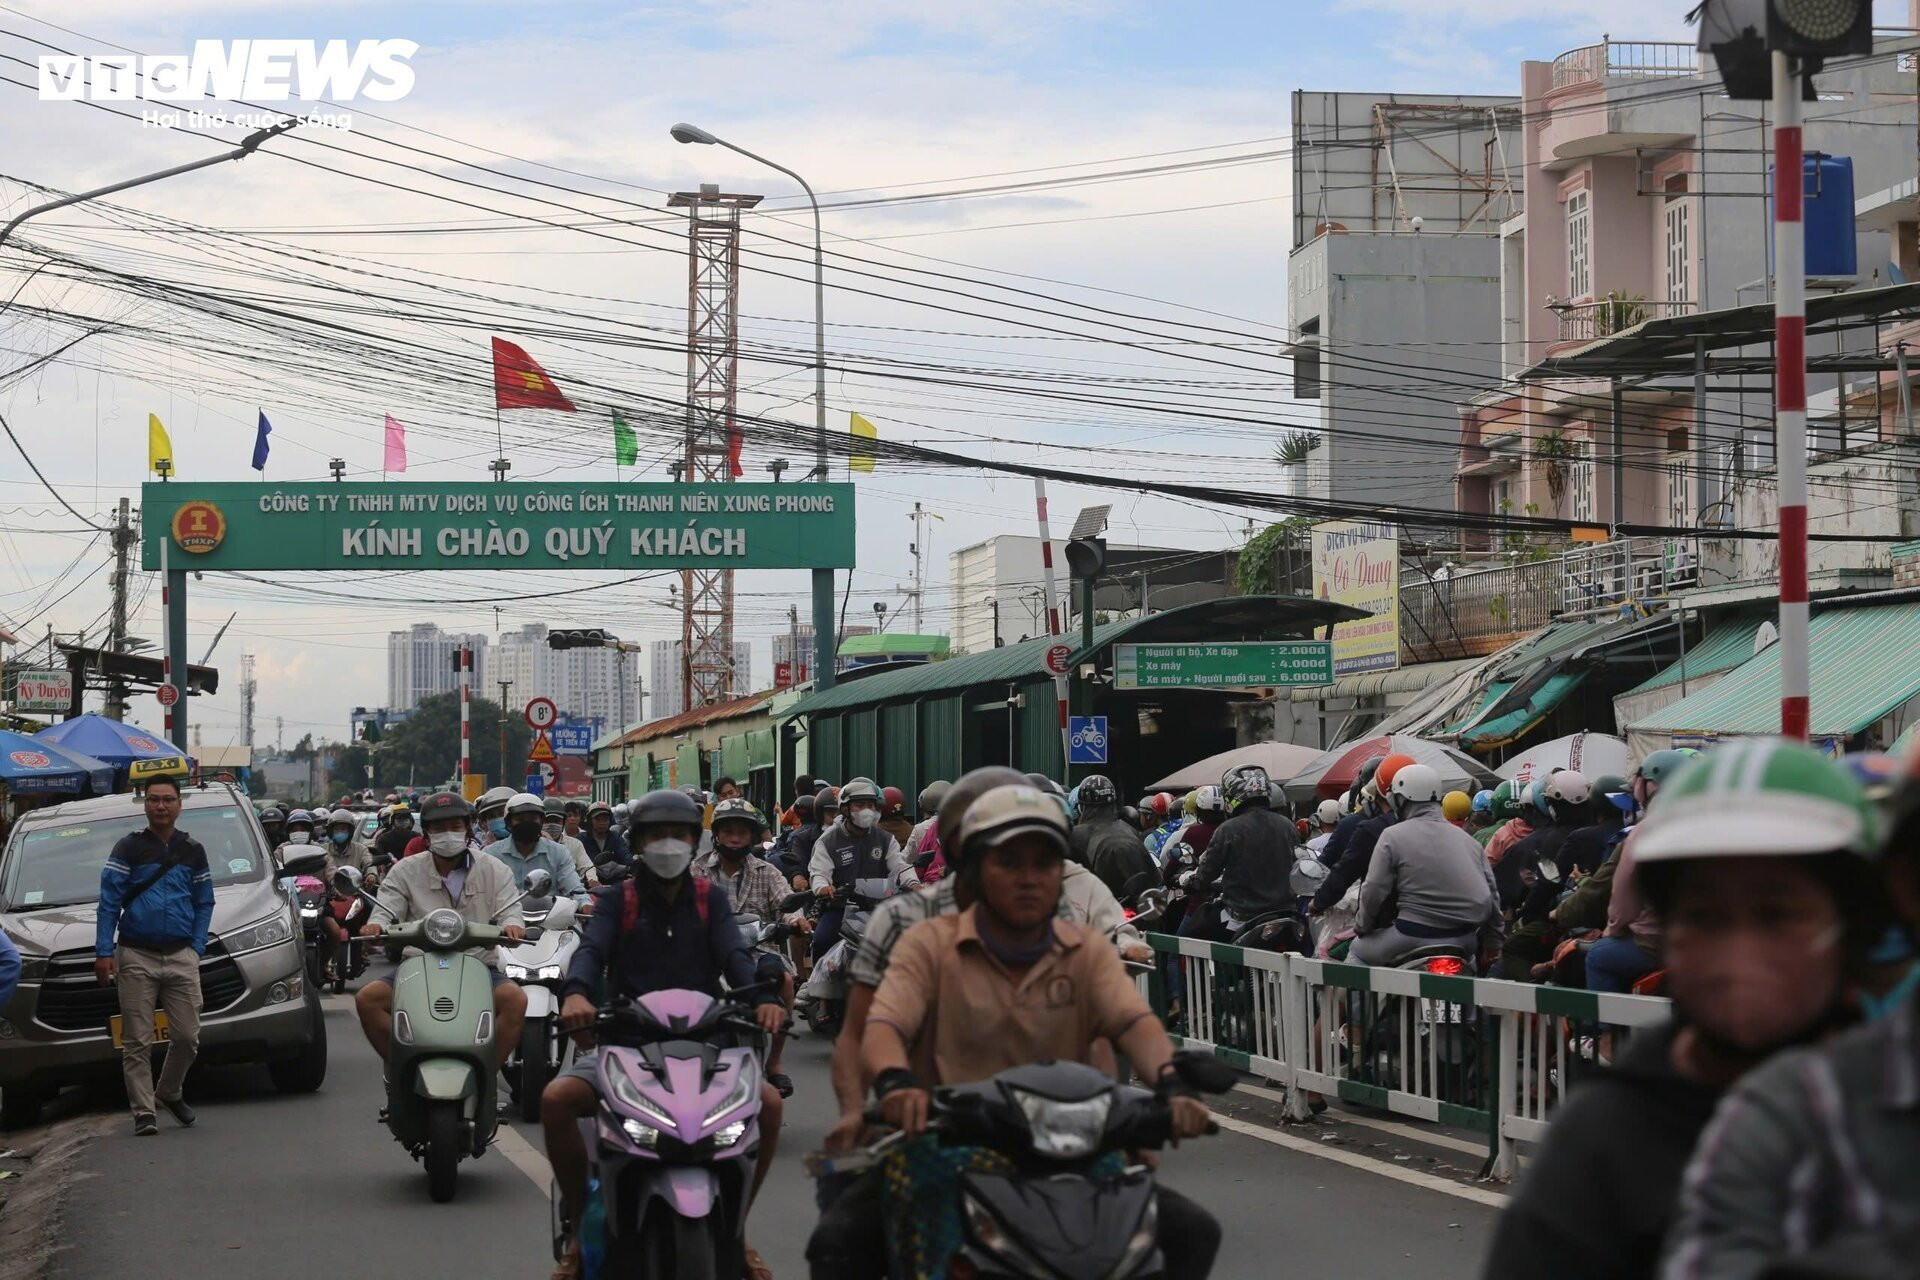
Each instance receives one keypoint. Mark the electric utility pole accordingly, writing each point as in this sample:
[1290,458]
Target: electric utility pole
[505,686]
[123,539]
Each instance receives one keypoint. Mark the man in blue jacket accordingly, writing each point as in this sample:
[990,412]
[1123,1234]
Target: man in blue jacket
[156,893]
[9,969]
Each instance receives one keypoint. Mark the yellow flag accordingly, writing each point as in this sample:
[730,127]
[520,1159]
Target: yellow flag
[158,445]
[864,430]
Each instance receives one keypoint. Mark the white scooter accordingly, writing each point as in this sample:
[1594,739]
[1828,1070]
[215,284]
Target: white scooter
[823,1000]
[540,966]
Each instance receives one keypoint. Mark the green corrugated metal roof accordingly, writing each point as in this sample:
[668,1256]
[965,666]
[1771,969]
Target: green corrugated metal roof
[1863,668]
[1725,646]
[1503,729]
[870,646]
[1215,619]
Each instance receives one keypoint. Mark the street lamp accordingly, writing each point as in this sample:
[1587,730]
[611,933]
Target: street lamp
[823,627]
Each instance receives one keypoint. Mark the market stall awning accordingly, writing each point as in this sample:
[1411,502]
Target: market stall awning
[1368,684]
[1863,668]
[1724,647]
[114,741]
[1530,683]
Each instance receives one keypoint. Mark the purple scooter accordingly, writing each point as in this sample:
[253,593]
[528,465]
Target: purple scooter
[673,1144]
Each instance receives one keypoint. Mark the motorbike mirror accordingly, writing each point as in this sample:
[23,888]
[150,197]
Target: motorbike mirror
[1549,870]
[539,883]
[512,902]
[347,880]
[1203,1071]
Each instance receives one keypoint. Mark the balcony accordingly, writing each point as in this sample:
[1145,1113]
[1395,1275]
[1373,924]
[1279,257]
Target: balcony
[1585,321]
[1625,60]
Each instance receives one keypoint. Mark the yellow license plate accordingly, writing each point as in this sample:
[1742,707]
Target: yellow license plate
[161,1031]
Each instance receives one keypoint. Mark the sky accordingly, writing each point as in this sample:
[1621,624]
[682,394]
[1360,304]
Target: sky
[1134,291]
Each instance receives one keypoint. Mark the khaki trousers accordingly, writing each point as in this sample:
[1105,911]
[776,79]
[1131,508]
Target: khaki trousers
[149,980]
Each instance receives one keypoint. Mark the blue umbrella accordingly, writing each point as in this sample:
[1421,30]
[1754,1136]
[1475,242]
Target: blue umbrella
[31,766]
[110,740]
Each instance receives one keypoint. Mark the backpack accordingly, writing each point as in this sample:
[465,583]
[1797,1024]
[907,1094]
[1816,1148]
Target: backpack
[630,901]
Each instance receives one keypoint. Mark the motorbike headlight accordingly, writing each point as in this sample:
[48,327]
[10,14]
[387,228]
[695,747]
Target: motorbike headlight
[261,933]
[518,972]
[641,1135]
[309,913]
[1064,1130]
[632,1099]
[731,1134]
[548,973]
[444,928]
[1140,1244]
[745,1088]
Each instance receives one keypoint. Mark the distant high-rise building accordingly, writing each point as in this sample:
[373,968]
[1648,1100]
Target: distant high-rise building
[420,664]
[786,670]
[668,684]
[585,684]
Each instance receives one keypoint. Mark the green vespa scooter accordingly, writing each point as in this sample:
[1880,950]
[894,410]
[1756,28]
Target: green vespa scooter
[442,1064]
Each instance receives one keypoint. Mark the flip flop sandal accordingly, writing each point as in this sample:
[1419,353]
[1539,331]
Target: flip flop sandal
[782,1082]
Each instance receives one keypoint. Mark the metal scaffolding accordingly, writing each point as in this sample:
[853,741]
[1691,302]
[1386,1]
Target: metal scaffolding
[712,443]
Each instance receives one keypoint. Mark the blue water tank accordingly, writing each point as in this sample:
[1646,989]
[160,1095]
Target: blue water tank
[1828,215]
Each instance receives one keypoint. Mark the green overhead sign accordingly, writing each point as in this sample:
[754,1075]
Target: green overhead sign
[515,525]
[1249,664]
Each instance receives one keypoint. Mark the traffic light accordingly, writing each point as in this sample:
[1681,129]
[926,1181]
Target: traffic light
[1741,34]
[584,638]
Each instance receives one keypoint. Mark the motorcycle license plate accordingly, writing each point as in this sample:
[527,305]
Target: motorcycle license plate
[1439,1011]
[162,1032]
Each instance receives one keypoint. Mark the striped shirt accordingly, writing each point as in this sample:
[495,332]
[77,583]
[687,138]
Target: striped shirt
[1811,1153]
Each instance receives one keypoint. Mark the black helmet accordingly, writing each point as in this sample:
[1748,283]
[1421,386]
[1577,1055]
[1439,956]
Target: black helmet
[1043,783]
[554,807]
[738,810]
[803,805]
[272,813]
[658,808]
[1097,791]
[826,800]
[442,805]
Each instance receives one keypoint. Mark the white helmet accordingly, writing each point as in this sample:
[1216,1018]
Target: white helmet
[1328,814]
[494,798]
[1415,783]
[320,817]
[526,802]
[1567,787]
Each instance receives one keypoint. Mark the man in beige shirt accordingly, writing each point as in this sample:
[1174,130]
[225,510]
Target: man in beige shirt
[1005,983]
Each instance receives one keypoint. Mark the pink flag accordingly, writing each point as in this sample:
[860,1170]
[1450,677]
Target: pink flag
[396,446]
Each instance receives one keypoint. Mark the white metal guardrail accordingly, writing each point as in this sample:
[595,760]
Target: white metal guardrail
[1477,1053]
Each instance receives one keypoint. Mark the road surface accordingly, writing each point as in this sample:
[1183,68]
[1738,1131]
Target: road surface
[297,1187]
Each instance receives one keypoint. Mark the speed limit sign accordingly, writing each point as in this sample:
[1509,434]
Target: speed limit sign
[541,713]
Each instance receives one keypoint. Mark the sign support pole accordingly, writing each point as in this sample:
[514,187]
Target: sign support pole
[1790,393]
[1053,617]
[173,597]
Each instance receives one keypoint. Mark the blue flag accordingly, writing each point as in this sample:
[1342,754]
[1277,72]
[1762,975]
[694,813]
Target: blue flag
[260,444]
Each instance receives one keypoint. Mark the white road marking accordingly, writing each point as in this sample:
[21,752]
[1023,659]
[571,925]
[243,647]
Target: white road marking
[1412,1177]
[1407,1131]
[508,1142]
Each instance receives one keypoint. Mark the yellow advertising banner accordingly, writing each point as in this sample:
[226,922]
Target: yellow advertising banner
[1357,562]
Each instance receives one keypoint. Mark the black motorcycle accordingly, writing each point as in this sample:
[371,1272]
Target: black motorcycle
[1062,1212]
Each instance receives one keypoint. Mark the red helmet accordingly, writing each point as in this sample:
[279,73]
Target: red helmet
[892,801]
[1161,802]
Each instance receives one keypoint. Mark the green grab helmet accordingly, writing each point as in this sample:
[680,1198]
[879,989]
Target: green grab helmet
[1758,796]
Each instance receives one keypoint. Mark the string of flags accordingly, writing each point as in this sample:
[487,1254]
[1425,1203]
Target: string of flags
[519,382]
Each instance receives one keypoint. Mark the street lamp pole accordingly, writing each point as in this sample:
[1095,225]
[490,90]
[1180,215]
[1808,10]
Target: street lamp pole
[824,648]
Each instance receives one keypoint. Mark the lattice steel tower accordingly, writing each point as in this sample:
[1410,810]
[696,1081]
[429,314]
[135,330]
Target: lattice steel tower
[713,441]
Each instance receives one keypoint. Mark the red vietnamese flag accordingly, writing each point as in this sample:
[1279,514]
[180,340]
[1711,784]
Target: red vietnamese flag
[520,383]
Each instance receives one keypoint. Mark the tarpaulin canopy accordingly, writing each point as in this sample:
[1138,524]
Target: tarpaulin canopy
[1281,760]
[112,741]
[30,766]
[1862,670]
[1332,772]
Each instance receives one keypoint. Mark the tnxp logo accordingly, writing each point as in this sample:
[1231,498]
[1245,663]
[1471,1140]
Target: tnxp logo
[260,70]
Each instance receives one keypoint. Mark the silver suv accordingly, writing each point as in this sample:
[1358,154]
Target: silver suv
[256,1004]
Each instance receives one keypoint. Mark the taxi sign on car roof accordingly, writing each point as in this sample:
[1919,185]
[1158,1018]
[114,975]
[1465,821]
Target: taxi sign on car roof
[142,771]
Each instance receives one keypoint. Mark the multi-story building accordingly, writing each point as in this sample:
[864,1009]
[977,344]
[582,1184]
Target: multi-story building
[420,663]
[1393,282]
[668,680]
[997,592]
[1646,200]
[585,684]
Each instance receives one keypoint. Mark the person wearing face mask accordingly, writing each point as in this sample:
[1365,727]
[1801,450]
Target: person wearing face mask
[525,850]
[663,929]
[343,844]
[853,849]
[273,822]
[754,888]
[299,831]
[1758,860]
[492,812]
[396,833]
[448,875]
[607,847]
[554,828]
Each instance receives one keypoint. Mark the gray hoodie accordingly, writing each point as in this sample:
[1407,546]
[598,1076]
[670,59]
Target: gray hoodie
[1436,872]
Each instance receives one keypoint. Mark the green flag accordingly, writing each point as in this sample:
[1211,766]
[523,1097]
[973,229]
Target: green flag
[626,446]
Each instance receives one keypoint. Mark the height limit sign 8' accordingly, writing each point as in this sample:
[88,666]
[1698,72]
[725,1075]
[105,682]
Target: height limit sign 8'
[1253,664]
